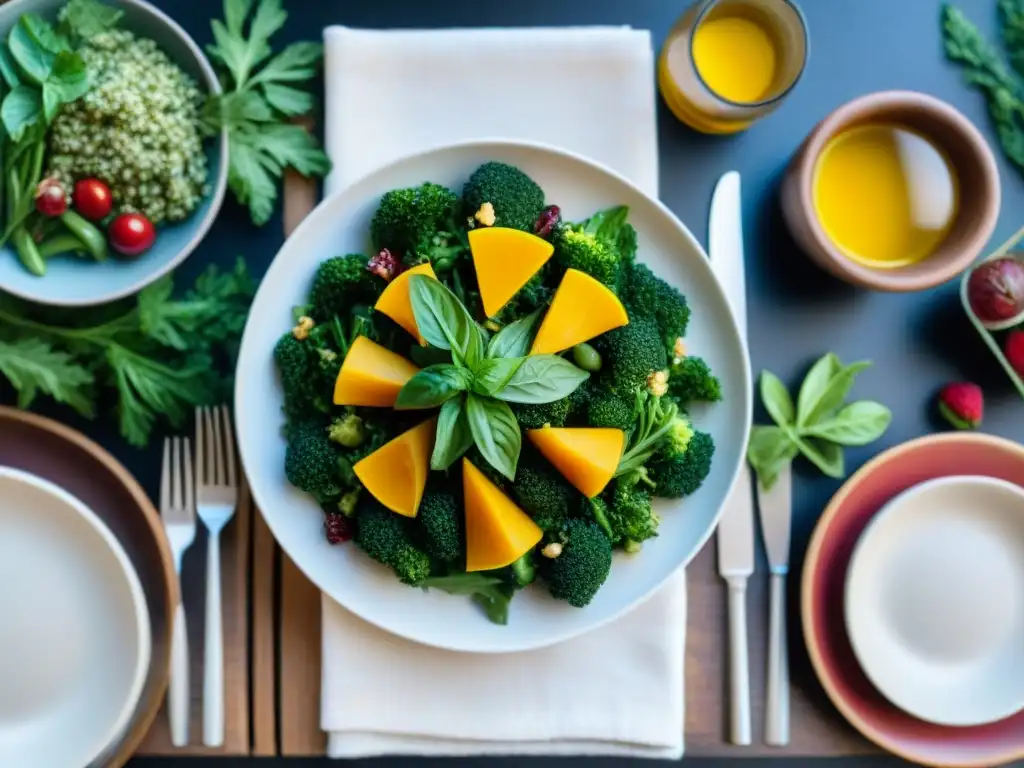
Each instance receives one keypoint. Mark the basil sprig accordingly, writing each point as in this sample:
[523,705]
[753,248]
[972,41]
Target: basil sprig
[818,425]
[473,391]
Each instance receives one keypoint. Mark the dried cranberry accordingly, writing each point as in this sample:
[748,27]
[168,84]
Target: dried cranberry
[385,265]
[547,221]
[338,528]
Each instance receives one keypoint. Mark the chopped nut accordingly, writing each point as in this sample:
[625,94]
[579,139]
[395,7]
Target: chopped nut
[492,326]
[302,328]
[486,215]
[552,550]
[679,350]
[657,383]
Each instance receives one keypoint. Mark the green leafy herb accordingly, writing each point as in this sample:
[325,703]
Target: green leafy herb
[818,426]
[495,432]
[453,434]
[542,379]
[85,19]
[491,593]
[158,354]
[490,376]
[432,386]
[259,100]
[514,339]
[984,69]
[443,321]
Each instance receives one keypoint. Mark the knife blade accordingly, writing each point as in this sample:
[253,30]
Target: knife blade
[735,536]
[775,507]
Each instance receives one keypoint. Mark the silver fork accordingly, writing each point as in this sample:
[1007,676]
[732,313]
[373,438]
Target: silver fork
[177,509]
[217,495]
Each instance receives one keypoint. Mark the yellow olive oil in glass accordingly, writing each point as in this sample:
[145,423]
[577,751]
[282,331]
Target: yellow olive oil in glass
[885,194]
[736,53]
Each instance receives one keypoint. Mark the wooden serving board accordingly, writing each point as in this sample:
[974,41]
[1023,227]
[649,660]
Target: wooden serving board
[817,729]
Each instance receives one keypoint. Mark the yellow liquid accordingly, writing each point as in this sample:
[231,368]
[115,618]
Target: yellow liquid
[736,55]
[885,195]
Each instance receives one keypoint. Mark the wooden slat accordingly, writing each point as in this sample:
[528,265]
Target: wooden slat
[264,641]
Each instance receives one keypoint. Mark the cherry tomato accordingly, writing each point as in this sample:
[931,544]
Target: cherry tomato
[131,234]
[51,199]
[92,198]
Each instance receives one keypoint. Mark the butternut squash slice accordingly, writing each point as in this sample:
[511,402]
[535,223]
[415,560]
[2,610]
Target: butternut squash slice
[396,473]
[371,375]
[581,309]
[395,303]
[497,531]
[586,456]
[505,260]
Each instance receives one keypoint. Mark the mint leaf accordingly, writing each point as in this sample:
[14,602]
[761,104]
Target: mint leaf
[34,60]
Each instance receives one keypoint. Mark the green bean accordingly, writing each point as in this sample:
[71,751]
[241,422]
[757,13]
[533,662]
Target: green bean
[91,237]
[28,252]
[60,244]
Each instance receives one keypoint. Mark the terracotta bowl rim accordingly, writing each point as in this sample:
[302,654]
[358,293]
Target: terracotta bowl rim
[938,111]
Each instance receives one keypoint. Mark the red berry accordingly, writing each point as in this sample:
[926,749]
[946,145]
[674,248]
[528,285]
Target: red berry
[962,404]
[51,199]
[338,528]
[385,265]
[131,234]
[92,199]
[1015,351]
[547,221]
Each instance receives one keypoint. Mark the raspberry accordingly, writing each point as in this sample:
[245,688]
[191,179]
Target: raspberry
[338,528]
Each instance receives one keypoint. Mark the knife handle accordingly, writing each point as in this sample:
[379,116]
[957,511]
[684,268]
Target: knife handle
[776,723]
[739,667]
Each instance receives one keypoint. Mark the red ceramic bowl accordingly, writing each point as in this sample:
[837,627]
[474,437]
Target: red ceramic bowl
[823,585]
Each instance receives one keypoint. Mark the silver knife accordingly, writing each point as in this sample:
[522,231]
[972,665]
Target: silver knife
[736,529]
[776,507]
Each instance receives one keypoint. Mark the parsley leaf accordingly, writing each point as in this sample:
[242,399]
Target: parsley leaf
[33,366]
[260,97]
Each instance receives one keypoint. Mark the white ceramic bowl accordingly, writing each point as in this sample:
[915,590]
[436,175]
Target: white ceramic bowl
[935,600]
[341,225]
[74,628]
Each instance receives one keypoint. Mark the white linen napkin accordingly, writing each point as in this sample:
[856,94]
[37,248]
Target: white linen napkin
[619,689]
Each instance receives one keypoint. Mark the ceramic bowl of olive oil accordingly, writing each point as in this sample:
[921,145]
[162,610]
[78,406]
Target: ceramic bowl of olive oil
[893,191]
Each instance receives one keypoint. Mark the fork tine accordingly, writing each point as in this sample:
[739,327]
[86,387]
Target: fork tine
[176,492]
[165,477]
[190,483]
[218,446]
[229,446]
[210,449]
[200,449]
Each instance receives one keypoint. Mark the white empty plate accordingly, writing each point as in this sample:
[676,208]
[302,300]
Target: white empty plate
[74,630]
[935,600]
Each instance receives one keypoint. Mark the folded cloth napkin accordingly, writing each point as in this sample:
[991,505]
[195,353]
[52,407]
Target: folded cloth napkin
[619,689]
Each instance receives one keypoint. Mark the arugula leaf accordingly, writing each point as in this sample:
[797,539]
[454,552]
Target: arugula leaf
[32,366]
[495,432]
[432,387]
[21,109]
[514,339]
[87,18]
[542,379]
[453,434]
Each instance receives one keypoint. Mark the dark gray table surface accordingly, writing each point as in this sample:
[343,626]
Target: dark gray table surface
[918,341]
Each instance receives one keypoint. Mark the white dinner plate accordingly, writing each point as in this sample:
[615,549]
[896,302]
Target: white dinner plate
[74,629]
[340,225]
[935,600]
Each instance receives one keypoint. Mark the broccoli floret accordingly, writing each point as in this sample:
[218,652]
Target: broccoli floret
[524,571]
[517,199]
[610,409]
[677,473]
[579,400]
[441,521]
[691,379]
[536,415]
[576,249]
[407,221]
[634,352]
[579,571]
[543,493]
[386,537]
[302,377]
[340,283]
[630,515]
[647,295]
[598,509]
[533,296]
[311,462]
[348,431]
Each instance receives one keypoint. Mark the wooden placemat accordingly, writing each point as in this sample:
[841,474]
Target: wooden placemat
[817,729]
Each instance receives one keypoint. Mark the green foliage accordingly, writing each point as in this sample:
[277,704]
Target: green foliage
[440,518]
[535,416]
[418,224]
[311,462]
[679,473]
[647,295]
[524,570]
[492,593]
[259,102]
[691,379]
[629,513]
[578,573]
[340,283]
[543,493]
[516,198]
[633,352]
[387,538]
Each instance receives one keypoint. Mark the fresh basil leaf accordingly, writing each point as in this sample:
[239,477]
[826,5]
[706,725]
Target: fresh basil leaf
[826,456]
[542,379]
[427,356]
[453,437]
[8,69]
[34,60]
[823,402]
[815,383]
[776,399]
[21,109]
[431,387]
[514,339]
[443,321]
[489,376]
[858,423]
[770,449]
[43,34]
[495,432]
